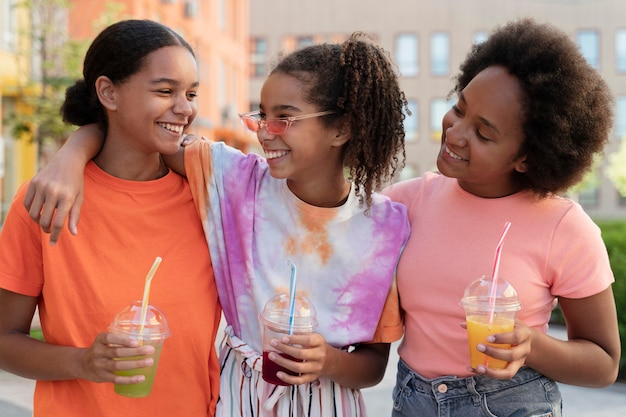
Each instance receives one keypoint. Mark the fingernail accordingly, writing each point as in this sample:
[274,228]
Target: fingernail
[481,348]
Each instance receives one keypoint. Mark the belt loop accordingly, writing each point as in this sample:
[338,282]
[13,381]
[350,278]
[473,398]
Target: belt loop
[471,385]
[407,378]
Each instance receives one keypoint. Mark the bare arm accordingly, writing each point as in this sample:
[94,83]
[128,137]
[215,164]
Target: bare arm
[590,357]
[30,358]
[56,192]
[363,367]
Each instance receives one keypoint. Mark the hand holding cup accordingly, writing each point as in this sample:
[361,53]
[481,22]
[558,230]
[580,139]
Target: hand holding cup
[489,311]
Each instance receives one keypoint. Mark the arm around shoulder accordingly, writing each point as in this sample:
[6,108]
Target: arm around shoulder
[56,192]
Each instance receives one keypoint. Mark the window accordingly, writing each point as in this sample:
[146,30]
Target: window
[222,13]
[620,118]
[440,53]
[304,41]
[480,36]
[258,57]
[438,108]
[411,123]
[589,197]
[407,54]
[191,8]
[620,50]
[589,43]
[9,25]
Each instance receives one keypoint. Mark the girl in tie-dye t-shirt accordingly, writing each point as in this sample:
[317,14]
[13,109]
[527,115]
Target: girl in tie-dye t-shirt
[325,111]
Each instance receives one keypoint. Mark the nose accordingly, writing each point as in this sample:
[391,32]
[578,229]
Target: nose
[184,106]
[262,134]
[455,130]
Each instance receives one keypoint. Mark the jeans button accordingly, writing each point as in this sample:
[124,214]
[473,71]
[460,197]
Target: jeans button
[442,388]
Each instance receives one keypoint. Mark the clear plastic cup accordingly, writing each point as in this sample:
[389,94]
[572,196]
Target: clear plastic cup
[481,322]
[155,330]
[275,318]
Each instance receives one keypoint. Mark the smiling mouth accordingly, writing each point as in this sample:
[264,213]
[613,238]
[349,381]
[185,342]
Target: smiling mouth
[275,154]
[172,128]
[452,154]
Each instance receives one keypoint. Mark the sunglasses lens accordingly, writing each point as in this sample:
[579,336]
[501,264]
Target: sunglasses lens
[250,123]
[276,127]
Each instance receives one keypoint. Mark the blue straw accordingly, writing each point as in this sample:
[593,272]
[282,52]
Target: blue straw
[292,295]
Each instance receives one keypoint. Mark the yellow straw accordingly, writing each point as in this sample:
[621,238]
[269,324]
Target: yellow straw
[146,294]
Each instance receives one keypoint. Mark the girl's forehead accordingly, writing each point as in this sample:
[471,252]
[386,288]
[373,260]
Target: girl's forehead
[283,91]
[171,62]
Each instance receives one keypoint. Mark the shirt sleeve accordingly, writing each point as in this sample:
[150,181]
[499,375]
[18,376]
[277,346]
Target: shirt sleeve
[578,257]
[390,326]
[21,250]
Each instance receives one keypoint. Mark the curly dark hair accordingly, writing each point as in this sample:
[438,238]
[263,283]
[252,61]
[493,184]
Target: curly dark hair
[567,106]
[118,52]
[359,81]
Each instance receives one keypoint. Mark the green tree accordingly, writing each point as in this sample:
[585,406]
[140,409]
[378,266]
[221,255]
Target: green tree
[57,65]
[589,182]
[616,169]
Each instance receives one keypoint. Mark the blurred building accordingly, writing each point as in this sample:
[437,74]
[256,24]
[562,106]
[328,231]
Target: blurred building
[216,29]
[428,39]
[17,158]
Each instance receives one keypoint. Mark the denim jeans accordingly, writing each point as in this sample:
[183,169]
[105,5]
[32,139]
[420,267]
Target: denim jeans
[528,394]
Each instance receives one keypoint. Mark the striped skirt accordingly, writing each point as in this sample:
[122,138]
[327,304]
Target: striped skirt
[244,393]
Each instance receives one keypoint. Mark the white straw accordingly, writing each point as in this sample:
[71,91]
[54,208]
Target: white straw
[146,293]
[292,295]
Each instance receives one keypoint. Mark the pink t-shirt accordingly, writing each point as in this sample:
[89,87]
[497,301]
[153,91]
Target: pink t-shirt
[552,249]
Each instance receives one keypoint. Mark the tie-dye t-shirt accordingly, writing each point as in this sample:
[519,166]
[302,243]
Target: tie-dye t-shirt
[345,259]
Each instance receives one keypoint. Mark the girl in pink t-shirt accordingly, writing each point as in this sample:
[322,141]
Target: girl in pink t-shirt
[530,115]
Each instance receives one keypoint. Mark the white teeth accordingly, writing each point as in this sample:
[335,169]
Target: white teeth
[275,154]
[452,154]
[174,128]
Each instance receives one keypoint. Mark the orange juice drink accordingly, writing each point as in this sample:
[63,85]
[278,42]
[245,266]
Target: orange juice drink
[478,328]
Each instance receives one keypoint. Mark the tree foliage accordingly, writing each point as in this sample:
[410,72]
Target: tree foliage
[616,170]
[57,65]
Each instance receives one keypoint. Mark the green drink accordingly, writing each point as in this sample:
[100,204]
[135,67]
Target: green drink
[141,389]
[153,331]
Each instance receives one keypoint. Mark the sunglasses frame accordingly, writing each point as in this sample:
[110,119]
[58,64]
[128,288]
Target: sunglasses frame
[286,121]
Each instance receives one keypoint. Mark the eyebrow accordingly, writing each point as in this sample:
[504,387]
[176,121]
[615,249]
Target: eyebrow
[172,82]
[482,119]
[281,107]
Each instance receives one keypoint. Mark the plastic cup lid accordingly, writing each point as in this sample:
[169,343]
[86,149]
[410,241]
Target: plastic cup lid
[276,313]
[128,322]
[478,294]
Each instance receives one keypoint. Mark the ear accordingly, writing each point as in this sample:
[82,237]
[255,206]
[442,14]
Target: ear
[342,135]
[521,165]
[106,92]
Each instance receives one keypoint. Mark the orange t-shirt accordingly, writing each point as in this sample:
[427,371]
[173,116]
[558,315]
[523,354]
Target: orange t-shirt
[84,280]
